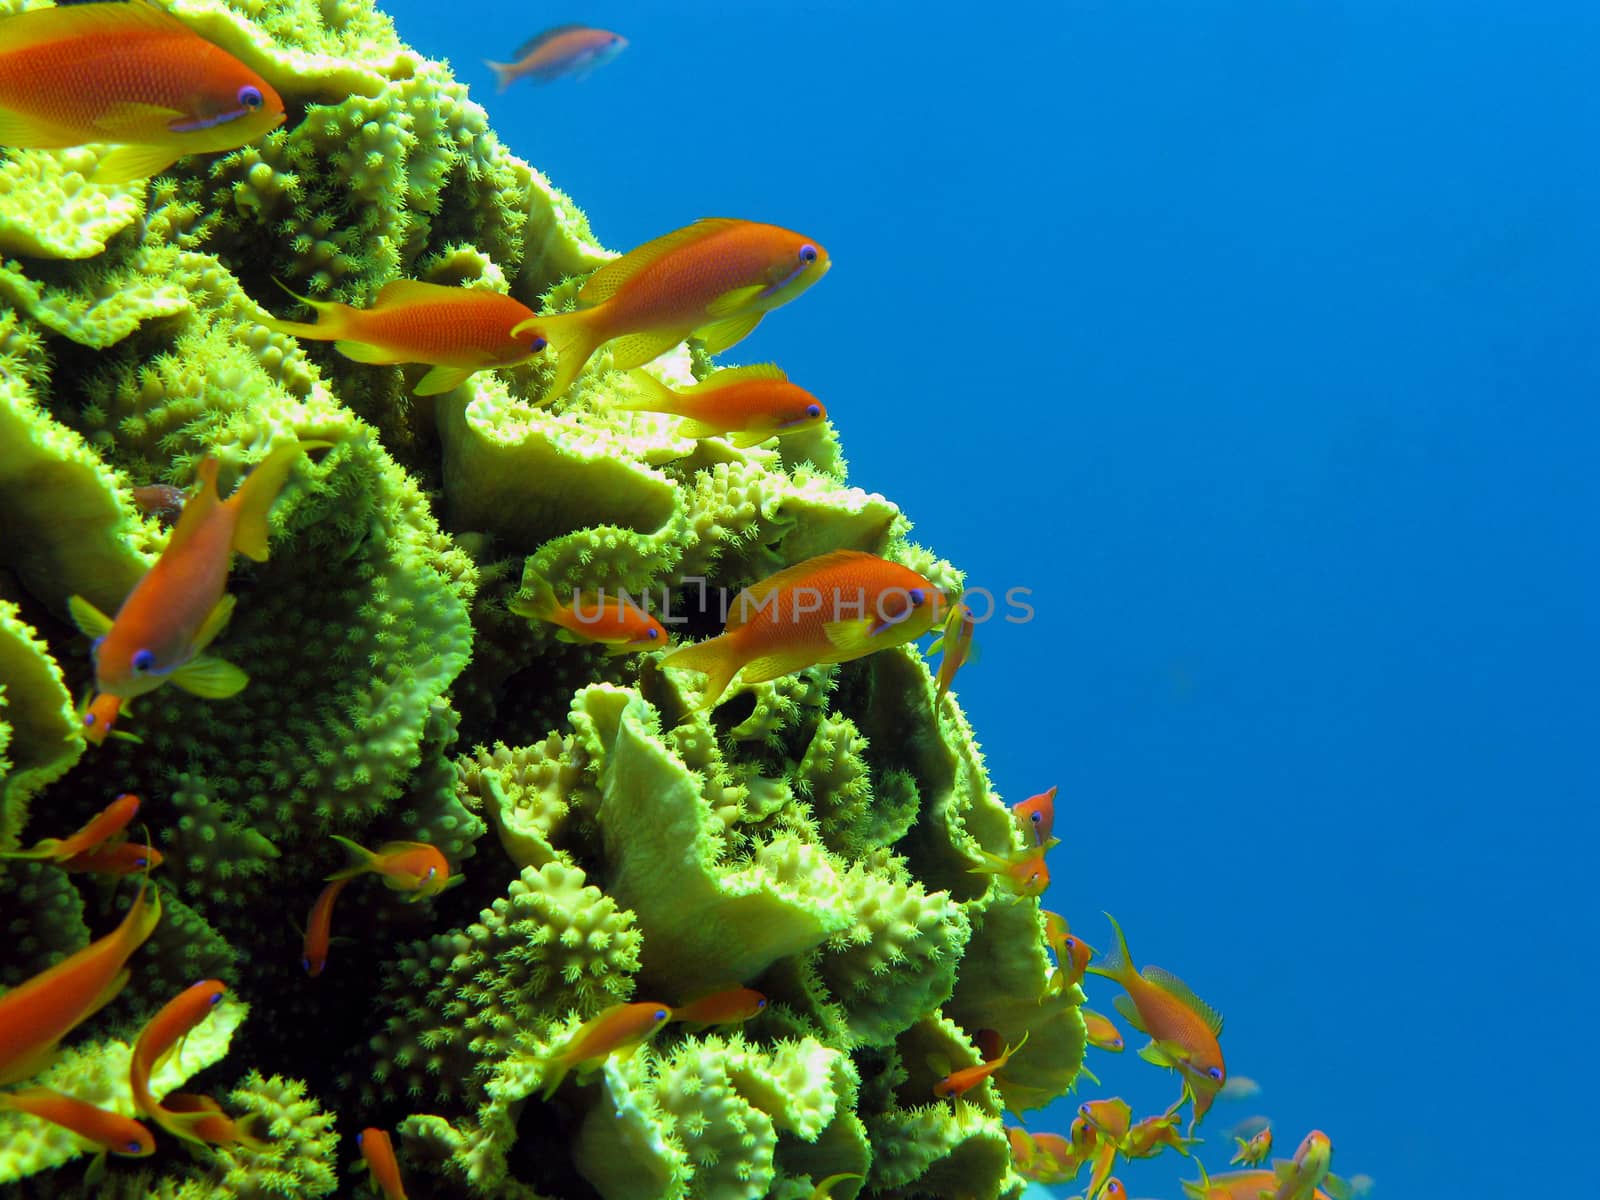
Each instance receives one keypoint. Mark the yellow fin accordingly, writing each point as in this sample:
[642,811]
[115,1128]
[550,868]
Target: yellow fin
[775,666]
[131,119]
[253,499]
[746,438]
[731,302]
[215,622]
[655,396]
[636,349]
[21,131]
[443,379]
[363,352]
[210,678]
[605,282]
[719,335]
[690,428]
[130,164]
[89,619]
[732,375]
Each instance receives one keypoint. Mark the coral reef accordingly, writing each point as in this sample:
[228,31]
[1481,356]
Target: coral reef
[811,836]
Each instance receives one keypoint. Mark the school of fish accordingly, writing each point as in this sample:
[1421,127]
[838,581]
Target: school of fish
[166,94]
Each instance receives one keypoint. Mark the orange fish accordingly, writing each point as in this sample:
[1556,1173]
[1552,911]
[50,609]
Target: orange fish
[159,500]
[179,606]
[954,646]
[124,858]
[160,1034]
[1110,1119]
[828,609]
[1149,1137]
[111,1133]
[958,1083]
[319,928]
[1254,1152]
[714,280]
[620,1029]
[457,331]
[727,1007]
[563,50]
[99,716]
[206,1122]
[102,827]
[377,1151]
[1037,816]
[1297,1178]
[1239,1185]
[128,73]
[1072,953]
[747,405]
[39,1012]
[1023,872]
[414,867]
[1043,1157]
[1183,1029]
[1100,1032]
[610,621]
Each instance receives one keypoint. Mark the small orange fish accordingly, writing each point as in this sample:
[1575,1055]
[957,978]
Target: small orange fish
[457,331]
[1183,1029]
[727,1007]
[563,50]
[1240,1185]
[1297,1179]
[1050,1158]
[1023,872]
[1147,1138]
[1072,953]
[170,1025]
[958,1083]
[159,500]
[1100,1032]
[747,405]
[377,1151]
[102,827]
[1254,1152]
[207,1123]
[124,858]
[610,621]
[37,1013]
[620,1029]
[128,73]
[99,717]
[829,609]
[111,1133]
[714,280]
[319,929]
[1110,1119]
[954,646]
[414,867]
[179,606]
[1037,816]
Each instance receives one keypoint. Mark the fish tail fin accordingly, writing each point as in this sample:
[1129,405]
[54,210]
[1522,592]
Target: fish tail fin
[253,498]
[541,599]
[250,1130]
[333,319]
[557,1067]
[654,396]
[572,339]
[1116,965]
[361,859]
[505,74]
[716,657]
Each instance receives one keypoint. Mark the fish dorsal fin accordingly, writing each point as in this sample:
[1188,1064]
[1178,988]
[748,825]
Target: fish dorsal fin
[732,375]
[199,506]
[1176,988]
[755,597]
[605,282]
[41,26]
[549,35]
[413,291]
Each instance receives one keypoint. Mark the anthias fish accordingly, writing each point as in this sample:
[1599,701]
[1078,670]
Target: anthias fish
[747,405]
[127,73]
[562,50]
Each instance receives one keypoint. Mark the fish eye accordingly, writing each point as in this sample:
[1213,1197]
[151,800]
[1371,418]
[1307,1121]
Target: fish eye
[305,965]
[661,1014]
[813,410]
[761,1003]
[361,1138]
[216,997]
[250,96]
[1215,1073]
[808,253]
[1036,817]
[537,345]
[89,720]
[918,596]
[143,660]
[654,633]
[134,1147]
[432,871]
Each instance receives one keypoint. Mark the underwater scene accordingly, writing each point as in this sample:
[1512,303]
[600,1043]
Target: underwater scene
[730,600]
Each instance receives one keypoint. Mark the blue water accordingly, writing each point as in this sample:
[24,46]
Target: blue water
[1258,339]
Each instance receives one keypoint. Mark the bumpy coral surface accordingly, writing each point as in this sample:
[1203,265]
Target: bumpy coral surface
[811,837]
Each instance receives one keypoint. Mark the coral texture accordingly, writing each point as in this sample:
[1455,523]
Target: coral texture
[811,837]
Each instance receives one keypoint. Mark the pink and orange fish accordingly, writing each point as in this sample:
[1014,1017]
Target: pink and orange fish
[108,1132]
[161,1033]
[620,1029]
[611,621]
[319,929]
[117,859]
[1022,872]
[713,280]
[1072,953]
[130,74]
[180,605]
[101,828]
[1254,1151]
[829,609]
[747,405]
[416,868]
[456,331]
[377,1151]
[562,50]
[958,1083]
[1037,817]
[1100,1032]
[727,1007]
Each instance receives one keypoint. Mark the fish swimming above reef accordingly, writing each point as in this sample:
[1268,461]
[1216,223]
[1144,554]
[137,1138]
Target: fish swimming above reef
[457,331]
[713,280]
[128,73]
[610,621]
[747,405]
[562,50]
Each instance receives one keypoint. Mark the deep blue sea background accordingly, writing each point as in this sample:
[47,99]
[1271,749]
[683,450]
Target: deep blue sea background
[1259,341]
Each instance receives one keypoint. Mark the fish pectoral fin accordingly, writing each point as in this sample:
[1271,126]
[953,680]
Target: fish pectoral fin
[442,379]
[690,428]
[375,356]
[852,638]
[89,619]
[731,302]
[133,119]
[1338,1187]
[719,335]
[635,349]
[216,621]
[744,439]
[133,164]
[1130,1012]
[210,678]
[96,1170]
